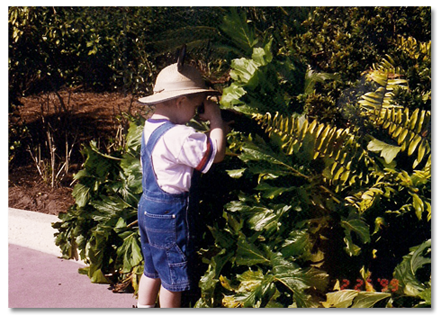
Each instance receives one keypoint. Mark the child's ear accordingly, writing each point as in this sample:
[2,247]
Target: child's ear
[180,101]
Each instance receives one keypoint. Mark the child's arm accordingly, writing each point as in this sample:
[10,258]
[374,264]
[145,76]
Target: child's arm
[217,128]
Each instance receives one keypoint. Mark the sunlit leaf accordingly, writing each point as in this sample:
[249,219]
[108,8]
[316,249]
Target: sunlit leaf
[249,254]
[388,151]
[340,299]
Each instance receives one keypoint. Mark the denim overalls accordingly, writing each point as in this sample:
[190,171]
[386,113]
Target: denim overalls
[163,220]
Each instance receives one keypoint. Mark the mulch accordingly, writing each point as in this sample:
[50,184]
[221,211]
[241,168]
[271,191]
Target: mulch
[94,116]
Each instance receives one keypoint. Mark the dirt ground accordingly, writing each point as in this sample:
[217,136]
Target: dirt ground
[92,116]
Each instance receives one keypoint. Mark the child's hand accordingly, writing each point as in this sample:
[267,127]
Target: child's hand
[218,127]
[211,112]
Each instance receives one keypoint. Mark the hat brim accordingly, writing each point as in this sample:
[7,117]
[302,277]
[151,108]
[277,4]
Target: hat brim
[168,95]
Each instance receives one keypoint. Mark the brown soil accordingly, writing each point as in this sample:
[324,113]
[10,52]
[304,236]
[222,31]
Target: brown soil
[91,116]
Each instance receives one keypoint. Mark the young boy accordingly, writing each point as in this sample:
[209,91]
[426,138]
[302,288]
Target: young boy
[170,153]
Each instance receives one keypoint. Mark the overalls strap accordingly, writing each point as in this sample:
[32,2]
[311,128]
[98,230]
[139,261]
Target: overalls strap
[154,137]
[150,184]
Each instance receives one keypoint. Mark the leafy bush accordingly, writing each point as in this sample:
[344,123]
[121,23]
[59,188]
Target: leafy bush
[312,211]
[329,204]
[101,228]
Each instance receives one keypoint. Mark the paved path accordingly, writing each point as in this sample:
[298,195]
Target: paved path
[39,279]
[32,230]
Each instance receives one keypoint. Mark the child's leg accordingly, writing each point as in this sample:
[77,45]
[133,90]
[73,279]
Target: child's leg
[169,299]
[148,291]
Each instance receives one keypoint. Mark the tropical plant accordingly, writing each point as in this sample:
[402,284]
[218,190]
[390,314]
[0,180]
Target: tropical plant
[410,287]
[328,201]
[101,228]
[347,40]
[309,205]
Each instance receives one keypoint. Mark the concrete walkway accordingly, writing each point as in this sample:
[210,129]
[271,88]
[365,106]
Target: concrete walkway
[32,230]
[37,278]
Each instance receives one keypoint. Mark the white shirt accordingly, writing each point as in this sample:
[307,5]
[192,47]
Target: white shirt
[177,153]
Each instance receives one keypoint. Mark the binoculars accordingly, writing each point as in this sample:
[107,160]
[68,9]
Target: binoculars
[225,114]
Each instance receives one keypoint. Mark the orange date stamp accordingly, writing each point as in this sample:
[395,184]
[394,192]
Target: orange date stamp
[386,285]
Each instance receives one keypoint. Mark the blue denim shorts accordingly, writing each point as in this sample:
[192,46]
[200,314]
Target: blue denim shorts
[164,231]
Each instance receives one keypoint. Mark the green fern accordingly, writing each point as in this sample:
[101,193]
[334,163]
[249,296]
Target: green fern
[411,132]
[348,164]
[340,148]
[415,49]
[408,129]
[388,77]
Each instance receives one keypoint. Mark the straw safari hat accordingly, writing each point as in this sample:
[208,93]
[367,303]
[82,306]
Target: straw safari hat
[177,80]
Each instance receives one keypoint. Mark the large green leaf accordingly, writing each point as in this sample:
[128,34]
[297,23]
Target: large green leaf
[388,151]
[271,192]
[263,56]
[353,299]
[267,219]
[210,279]
[108,207]
[254,287]
[298,279]
[270,162]
[369,299]
[340,299]
[130,252]
[296,244]
[236,27]
[248,253]
[236,173]
[359,228]
[406,271]
[223,237]
[262,218]
[244,72]
[231,96]
[81,193]
[133,138]
[98,277]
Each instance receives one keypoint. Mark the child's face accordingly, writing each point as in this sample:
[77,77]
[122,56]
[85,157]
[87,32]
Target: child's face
[187,108]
